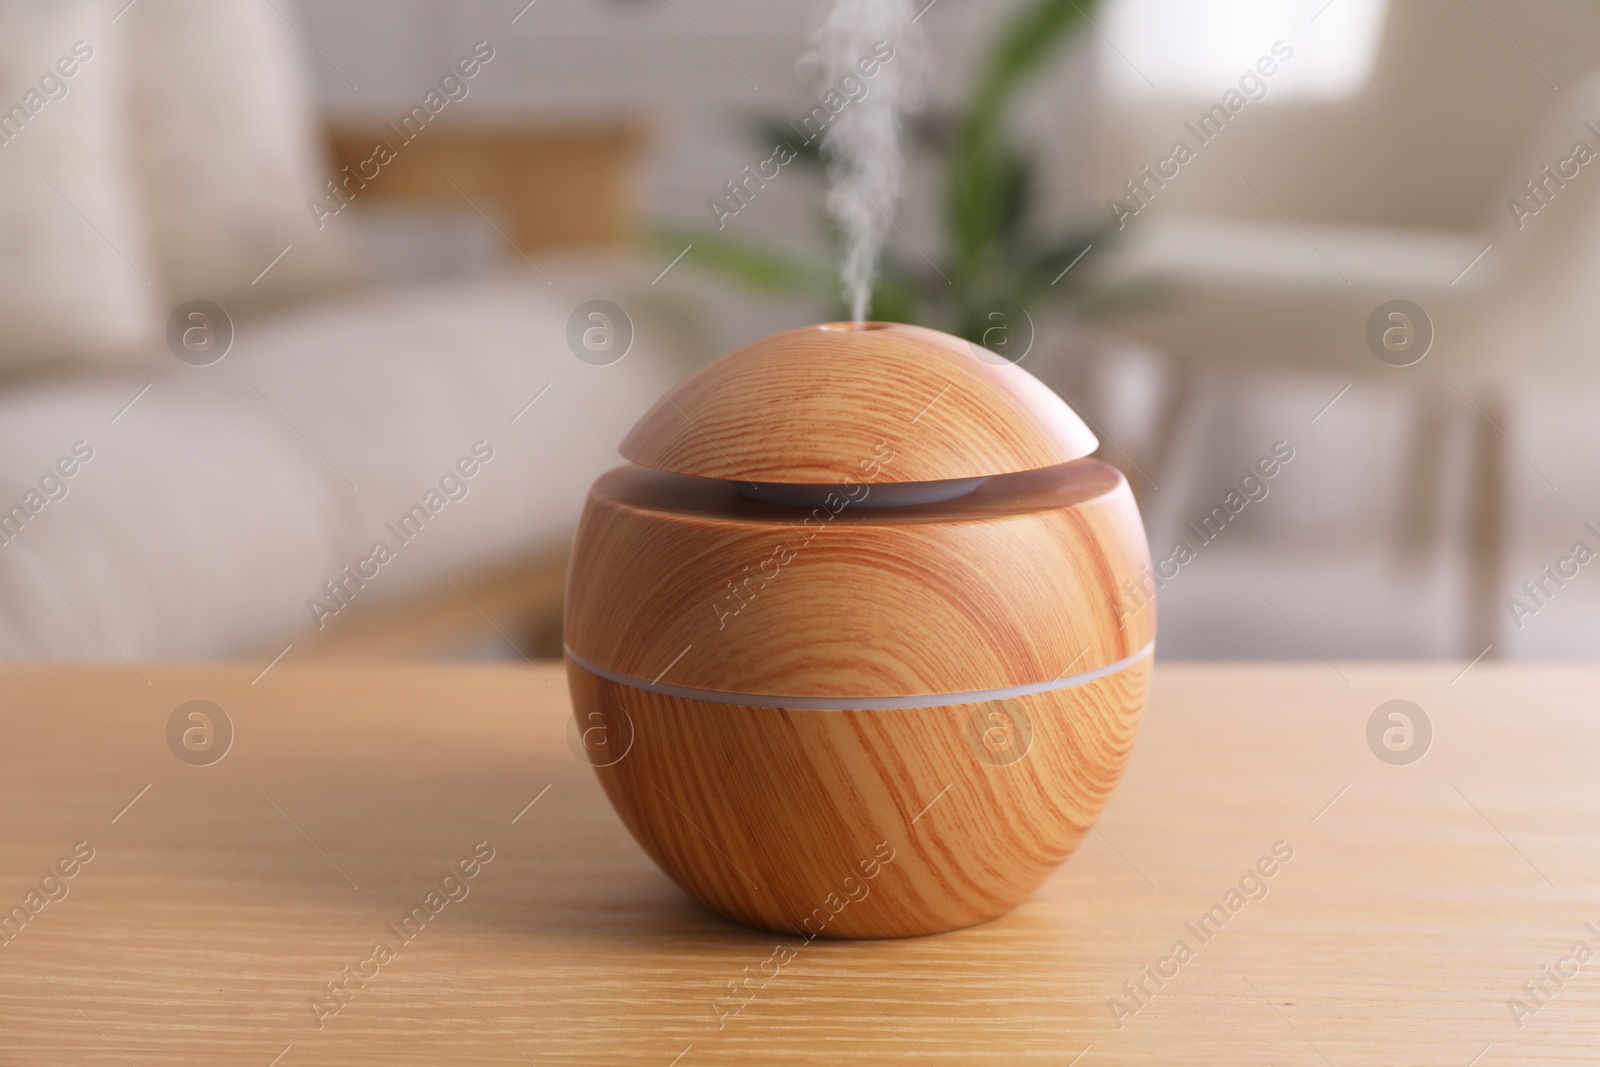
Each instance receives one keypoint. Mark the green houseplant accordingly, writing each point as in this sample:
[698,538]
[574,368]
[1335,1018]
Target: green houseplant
[992,253]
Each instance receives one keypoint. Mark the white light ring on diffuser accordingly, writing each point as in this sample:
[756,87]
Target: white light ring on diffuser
[924,700]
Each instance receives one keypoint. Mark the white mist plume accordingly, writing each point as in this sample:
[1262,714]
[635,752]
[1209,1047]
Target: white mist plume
[862,142]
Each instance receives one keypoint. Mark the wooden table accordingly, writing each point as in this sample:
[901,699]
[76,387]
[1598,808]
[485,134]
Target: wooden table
[221,898]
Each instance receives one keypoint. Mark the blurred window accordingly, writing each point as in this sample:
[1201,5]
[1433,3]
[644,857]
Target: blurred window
[1198,48]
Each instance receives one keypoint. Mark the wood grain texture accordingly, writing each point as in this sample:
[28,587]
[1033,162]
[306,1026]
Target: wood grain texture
[1016,583]
[810,405]
[687,582]
[1413,908]
[805,822]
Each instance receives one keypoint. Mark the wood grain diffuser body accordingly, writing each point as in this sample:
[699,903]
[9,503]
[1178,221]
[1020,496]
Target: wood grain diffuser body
[845,641]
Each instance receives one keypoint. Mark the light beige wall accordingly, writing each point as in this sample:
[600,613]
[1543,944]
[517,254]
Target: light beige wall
[1426,144]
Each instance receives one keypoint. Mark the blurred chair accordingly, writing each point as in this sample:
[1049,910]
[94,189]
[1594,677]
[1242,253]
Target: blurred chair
[1362,545]
[1421,497]
[1535,340]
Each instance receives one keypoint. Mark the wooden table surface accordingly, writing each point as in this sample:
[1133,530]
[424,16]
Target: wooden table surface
[221,899]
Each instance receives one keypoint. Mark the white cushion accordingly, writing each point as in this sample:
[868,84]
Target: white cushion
[228,152]
[206,520]
[76,281]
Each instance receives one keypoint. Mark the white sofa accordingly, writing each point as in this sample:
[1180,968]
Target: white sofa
[217,505]
[151,509]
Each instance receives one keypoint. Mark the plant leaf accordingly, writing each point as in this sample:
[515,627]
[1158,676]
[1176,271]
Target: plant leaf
[759,268]
[982,166]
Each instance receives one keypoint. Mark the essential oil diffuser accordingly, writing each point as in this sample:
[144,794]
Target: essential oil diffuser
[845,641]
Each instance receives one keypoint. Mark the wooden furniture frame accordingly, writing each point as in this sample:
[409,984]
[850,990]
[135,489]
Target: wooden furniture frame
[557,186]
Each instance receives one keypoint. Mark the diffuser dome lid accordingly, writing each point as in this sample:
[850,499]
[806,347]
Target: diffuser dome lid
[814,406]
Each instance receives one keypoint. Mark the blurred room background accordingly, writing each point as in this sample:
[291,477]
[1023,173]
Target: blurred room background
[254,376]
